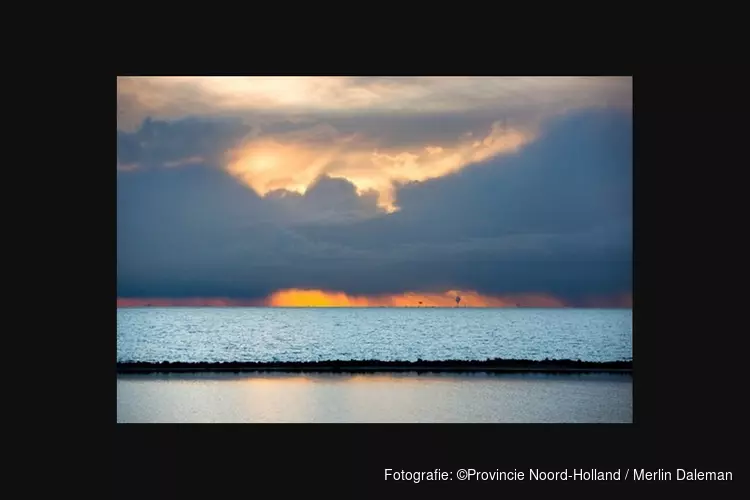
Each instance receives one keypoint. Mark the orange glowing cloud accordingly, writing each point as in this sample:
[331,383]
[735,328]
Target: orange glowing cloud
[295,160]
[320,298]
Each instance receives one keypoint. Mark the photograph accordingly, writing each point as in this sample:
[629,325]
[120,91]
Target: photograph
[374,249]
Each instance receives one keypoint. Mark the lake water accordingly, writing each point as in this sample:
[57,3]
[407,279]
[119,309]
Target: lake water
[309,334]
[302,334]
[372,398]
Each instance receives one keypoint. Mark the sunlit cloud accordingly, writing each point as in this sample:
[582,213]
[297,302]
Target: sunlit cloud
[371,157]
[294,161]
[175,97]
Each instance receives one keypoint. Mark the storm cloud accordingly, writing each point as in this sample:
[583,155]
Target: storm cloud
[548,214]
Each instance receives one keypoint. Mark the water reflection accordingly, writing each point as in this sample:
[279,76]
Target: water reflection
[377,397]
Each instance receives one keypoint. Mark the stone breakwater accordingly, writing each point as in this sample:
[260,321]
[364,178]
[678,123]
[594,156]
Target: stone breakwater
[493,365]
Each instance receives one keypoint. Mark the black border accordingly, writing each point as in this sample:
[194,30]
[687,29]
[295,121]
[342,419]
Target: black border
[684,403]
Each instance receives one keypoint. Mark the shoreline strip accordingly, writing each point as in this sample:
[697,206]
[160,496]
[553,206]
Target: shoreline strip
[359,366]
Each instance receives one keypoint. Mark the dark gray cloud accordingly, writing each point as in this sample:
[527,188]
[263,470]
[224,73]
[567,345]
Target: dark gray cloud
[326,201]
[554,218]
[158,143]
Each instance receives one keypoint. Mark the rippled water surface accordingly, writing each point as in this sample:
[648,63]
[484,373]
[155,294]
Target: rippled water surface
[304,334]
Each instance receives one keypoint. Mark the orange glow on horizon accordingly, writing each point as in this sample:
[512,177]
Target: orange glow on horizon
[322,298]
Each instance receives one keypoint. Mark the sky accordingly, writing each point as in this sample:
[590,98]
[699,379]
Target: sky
[374,191]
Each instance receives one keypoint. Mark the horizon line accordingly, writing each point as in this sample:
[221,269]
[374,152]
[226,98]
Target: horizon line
[225,306]
[306,297]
